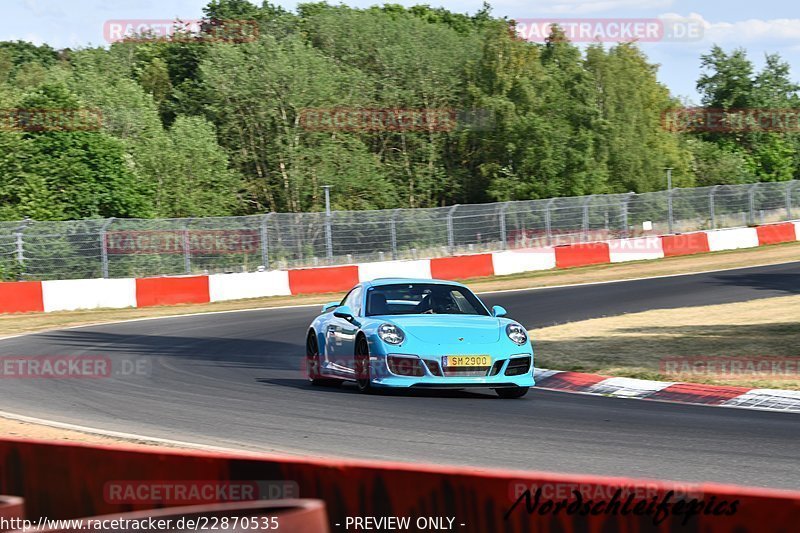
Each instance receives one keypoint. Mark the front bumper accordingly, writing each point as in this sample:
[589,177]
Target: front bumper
[382,376]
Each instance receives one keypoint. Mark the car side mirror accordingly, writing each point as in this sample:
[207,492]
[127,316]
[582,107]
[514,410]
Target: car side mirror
[328,306]
[344,312]
[499,311]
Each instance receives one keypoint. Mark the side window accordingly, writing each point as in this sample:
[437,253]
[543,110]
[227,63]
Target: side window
[346,299]
[355,301]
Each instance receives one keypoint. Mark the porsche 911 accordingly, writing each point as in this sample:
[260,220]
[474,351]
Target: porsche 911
[418,333]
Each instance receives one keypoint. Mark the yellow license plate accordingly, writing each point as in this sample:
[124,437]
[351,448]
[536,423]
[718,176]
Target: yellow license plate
[467,360]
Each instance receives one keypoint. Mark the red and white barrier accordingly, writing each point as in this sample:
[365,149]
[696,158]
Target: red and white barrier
[582,254]
[638,249]
[732,239]
[515,262]
[70,294]
[248,285]
[395,269]
[685,244]
[63,295]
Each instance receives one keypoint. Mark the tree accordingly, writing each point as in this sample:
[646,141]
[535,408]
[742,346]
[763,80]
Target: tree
[633,142]
[76,173]
[729,82]
[197,181]
[727,79]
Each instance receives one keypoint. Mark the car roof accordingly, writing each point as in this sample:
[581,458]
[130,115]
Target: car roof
[394,281]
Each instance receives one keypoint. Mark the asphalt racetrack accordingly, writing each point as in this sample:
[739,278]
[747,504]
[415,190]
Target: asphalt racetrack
[236,379]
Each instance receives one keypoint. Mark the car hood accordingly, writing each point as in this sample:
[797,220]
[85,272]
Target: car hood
[449,329]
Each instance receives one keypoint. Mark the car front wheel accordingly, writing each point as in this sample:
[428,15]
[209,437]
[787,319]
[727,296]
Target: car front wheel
[362,369]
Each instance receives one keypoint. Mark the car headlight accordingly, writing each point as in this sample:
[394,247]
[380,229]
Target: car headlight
[391,334]
[517,334]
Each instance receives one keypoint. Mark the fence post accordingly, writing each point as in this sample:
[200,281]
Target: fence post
[393,231]
[450,237]
[670,220]
[328,237]
[712,207]
[19,247]
[187,252]
[585,221]
[19,244]
[751,200]
[548,221]
[503,208]
[789,188]
[104,247]
[624,209]
[265,240]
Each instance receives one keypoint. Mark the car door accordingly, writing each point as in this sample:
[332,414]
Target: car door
[340,337]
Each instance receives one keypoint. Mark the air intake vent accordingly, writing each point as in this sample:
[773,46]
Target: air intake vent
[496,367]
[434,367]
[405,366]
[518,366]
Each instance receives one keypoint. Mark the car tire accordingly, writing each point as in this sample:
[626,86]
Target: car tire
[512,393]
[362,367]
[313,365]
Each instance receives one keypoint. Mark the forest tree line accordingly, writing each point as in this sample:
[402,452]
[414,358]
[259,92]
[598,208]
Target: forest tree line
[210,128]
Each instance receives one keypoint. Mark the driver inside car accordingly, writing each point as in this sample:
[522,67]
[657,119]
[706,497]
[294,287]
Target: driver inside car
[439,303]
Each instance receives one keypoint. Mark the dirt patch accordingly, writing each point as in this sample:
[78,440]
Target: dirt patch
[25,430]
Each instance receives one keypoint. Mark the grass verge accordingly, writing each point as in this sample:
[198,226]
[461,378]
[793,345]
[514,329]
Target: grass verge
[11,324]
[687,344]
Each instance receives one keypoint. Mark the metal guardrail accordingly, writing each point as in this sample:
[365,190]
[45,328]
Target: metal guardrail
[113,247]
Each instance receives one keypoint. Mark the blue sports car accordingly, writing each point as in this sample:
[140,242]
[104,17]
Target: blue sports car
[419,333]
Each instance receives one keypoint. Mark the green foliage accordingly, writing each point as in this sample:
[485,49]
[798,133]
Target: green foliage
[22,52]
[714,165]
[65,174]
[729,82]
[199,182]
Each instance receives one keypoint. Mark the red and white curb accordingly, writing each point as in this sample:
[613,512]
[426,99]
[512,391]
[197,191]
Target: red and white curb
[669,391]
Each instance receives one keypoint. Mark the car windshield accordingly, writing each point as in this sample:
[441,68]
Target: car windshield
[423,298]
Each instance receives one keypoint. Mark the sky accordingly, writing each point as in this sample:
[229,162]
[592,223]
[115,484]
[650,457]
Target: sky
[761,27]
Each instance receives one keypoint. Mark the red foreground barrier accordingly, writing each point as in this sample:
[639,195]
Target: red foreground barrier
[11,507]
[69,481]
